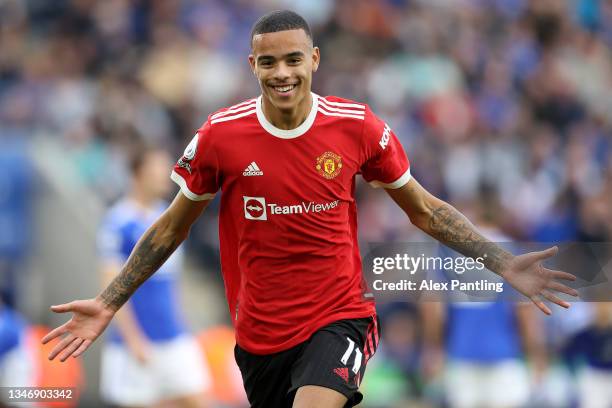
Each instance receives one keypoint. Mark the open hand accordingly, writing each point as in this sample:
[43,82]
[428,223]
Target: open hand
[90,318]
[527,275]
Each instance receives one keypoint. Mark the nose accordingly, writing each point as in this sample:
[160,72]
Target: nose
[282,72]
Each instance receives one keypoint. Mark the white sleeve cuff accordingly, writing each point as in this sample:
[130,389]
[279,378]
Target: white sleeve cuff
[403,179]
[178,179]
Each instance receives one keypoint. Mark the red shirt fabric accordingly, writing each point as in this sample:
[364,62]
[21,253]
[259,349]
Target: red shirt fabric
[288,218]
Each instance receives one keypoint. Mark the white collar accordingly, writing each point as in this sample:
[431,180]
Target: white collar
[290,133]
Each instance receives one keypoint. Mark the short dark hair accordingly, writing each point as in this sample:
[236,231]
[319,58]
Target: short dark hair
[280,20]
[139,154]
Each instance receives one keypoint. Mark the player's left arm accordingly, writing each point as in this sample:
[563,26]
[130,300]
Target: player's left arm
[447,225]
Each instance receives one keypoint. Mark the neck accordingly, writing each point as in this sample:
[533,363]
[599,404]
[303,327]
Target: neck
[287,119]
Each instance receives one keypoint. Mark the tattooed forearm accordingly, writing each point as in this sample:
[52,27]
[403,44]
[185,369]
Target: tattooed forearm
[450,227]
[149,254]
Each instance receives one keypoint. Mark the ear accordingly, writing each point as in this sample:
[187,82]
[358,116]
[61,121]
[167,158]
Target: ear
[252,62]
[316,58]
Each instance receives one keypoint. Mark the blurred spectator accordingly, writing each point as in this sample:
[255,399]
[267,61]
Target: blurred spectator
[482,357]
[479,345]
[16,177]
[17,362]
[589,353]
[393,377]
[150,358]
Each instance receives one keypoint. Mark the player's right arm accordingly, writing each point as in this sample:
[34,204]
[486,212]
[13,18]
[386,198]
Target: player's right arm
[92,316]
[153,249]
[125,319]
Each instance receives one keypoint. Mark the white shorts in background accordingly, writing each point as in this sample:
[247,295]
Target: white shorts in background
[18,369]
[176,368]
[595,388]
[502,384]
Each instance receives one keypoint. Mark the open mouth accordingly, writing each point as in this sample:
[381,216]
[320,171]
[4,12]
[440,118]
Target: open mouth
[284,89]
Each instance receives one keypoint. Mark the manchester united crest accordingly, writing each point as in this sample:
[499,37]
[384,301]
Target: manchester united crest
[329,165]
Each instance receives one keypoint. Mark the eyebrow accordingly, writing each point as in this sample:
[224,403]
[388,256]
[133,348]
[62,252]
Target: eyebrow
[290,55]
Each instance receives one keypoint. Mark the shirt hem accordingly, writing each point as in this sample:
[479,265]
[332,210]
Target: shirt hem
[308,333]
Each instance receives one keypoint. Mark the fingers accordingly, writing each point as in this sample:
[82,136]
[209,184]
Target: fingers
[554,299]
[559,287]
[560,275]
[82,348]
[76,343]
[61,346]
[57,332]
[538,302]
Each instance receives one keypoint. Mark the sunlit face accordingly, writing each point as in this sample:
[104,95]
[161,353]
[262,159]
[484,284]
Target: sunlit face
[283,63]
[153,174]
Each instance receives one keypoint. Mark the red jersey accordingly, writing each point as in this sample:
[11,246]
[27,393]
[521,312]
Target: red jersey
[288,218]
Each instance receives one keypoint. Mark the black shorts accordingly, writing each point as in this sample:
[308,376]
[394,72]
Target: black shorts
[334,357]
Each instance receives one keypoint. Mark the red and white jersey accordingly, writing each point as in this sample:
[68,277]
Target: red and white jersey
[288,218]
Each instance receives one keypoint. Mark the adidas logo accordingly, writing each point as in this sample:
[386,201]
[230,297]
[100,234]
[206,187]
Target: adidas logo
[343,373]
[252,170]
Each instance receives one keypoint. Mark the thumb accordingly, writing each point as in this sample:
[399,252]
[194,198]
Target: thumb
[547,253]
[550,252]
[66,307]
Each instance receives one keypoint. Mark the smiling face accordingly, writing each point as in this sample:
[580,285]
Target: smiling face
[283,63]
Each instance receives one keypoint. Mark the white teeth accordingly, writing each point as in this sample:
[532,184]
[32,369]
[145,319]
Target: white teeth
[284,88]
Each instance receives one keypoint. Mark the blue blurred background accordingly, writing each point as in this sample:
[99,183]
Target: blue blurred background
[503,106]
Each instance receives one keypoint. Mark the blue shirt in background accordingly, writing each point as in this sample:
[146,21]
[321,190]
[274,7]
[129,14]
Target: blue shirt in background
[482,332]
[12,330]
[156,303]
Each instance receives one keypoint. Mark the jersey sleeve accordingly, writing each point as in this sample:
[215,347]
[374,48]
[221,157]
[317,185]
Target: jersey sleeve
[197,171]
[385,163]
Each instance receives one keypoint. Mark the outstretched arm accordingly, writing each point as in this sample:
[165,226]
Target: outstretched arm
[125,319]
[90,317]
[444,223]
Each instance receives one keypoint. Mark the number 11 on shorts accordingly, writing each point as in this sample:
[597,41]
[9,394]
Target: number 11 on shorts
[347,354]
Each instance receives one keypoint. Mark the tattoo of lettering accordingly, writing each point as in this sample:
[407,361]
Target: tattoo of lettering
[451,227]
[150,253]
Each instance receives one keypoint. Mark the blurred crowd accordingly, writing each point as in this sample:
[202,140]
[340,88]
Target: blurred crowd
[501,105]
[512,96]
